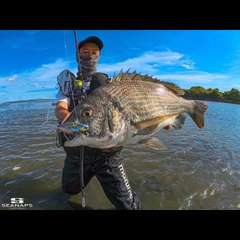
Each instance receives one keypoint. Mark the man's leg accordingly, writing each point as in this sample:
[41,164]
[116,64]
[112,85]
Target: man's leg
[71,183]
[115,183]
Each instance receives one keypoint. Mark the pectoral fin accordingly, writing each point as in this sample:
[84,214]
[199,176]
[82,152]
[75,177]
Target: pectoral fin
[153,121]
[153,143]
[179,121]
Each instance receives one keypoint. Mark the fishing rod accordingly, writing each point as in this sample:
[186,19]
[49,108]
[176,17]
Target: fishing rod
[75,37]
[78,58]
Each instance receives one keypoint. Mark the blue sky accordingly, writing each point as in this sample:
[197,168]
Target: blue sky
[32,59]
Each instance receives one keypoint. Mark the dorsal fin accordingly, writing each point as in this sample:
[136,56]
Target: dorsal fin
[173,87]
[127,76]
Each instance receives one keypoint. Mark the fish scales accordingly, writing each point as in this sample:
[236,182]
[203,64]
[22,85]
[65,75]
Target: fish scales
[146,99]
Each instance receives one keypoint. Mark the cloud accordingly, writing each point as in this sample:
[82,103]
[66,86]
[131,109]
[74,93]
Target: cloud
[44,76]
[151,62]
[188,64]
[192,77]
[37,83]
[148,63]
[12,79]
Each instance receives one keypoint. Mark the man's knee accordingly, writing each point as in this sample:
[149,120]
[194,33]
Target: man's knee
[70,176]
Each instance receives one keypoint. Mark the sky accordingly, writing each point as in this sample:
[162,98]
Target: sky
[31,60]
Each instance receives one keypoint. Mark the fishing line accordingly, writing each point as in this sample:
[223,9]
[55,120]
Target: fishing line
[66,47]
[48,112]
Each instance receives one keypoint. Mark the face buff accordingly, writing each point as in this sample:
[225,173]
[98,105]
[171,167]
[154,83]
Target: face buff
[87,67]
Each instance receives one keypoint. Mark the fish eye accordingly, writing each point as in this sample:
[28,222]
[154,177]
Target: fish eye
[87,113]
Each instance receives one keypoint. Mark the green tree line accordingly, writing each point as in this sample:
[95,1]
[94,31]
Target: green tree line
[199,92]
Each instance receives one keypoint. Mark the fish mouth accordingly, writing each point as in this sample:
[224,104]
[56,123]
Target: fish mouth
[70,133]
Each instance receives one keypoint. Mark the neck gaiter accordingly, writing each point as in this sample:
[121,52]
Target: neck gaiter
[86,68]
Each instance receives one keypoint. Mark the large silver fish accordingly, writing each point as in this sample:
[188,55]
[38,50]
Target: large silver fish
[128,110]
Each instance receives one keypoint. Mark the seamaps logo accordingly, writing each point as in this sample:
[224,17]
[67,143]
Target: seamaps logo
[17,203]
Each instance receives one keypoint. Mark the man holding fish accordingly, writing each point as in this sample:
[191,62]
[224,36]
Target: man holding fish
[84,162]
[128,109]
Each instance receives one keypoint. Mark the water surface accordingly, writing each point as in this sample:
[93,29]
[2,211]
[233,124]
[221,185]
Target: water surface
[200,170]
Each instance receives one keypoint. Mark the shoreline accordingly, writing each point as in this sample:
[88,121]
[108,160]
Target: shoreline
[31,100]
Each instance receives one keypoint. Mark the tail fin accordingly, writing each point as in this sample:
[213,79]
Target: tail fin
[198,114]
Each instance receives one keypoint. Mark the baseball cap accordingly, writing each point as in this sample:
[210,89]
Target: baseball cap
[92,39]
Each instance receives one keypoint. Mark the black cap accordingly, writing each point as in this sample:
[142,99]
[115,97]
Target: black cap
[92,39]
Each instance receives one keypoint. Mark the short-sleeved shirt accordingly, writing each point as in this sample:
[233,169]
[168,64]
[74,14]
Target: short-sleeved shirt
[61,98]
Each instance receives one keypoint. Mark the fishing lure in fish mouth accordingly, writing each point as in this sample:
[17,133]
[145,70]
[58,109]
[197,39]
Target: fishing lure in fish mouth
[79,127]
[74,127]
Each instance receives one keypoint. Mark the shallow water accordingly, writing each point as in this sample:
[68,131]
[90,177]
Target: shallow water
[200,169]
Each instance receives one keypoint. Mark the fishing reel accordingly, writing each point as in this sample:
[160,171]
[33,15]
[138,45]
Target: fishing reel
[78,89]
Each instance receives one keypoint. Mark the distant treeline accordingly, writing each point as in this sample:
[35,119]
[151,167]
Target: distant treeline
[198,92]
